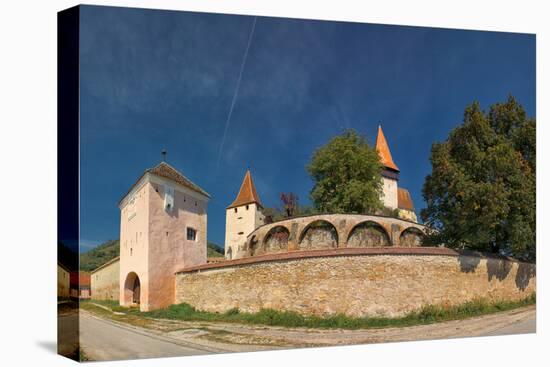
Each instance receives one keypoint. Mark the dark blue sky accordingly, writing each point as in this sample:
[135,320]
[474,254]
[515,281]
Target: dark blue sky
[165,79]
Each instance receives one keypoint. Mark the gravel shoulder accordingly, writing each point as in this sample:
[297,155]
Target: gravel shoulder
[188,338]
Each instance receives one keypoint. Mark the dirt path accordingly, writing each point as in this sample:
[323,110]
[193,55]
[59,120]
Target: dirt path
[185,338]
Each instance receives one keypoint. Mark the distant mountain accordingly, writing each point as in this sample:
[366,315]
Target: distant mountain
[99,255]
[214,250]
[111,249]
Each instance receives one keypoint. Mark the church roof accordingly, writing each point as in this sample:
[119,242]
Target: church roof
[404,200]
[247,193]
[165,170]
[384,151]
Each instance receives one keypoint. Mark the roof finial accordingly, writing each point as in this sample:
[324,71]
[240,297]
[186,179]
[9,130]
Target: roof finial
[163,152]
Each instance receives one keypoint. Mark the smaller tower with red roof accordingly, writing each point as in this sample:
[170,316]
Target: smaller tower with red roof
[242,217]
[390,172]
[394,197]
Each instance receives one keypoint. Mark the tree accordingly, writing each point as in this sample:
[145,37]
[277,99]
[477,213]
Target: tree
[290,203]
[346,174]
[481,192]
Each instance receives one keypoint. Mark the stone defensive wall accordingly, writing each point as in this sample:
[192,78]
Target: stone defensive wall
[383,281]
[329,231]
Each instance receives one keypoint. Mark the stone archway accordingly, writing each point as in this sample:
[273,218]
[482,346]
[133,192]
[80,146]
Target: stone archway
[411,237]
[132,289]
[368,234]
[276,240]
[318,235]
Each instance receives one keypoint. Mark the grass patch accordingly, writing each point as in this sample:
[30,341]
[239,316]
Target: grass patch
[426,315]
[130,315]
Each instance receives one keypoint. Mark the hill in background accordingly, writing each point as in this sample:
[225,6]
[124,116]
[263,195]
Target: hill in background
[214,250]
[99,255]
[109,250]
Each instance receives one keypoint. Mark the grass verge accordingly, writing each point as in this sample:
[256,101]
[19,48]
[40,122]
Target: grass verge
[426,315]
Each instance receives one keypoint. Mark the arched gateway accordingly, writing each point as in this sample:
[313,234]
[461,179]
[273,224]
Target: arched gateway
[132,289]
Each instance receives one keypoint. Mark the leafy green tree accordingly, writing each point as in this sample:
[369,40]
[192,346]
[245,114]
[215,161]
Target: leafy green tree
[346,175]
[481,192]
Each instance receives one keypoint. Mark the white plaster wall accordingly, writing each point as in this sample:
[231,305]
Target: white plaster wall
[238,225]
[134,240]
[389,192]
[169,249]
[63,282]
[105,282]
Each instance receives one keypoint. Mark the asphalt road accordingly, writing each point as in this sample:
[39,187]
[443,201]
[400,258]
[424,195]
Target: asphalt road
[102,340]
[105,340]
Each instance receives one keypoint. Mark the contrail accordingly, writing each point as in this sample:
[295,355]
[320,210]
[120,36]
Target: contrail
[236,91]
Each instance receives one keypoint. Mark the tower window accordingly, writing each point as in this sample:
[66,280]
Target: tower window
[247,207]
[191,234]
[241,233]
[235,210]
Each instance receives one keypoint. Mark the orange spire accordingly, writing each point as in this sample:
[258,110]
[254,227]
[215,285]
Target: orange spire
[384,151]
[247,193]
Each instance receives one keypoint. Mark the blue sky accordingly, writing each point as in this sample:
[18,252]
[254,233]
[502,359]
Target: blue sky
[161,79]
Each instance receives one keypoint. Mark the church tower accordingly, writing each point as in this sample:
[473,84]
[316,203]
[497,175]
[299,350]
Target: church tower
[390,172]
[242,217]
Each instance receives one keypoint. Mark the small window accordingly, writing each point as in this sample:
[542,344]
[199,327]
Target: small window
[191,234]
[247,207]
[241,233]
[235,210]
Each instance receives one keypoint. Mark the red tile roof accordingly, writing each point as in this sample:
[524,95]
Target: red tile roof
[165,170]
[349,251]
[384,151]
[247,193]
[404,200]
[83,278]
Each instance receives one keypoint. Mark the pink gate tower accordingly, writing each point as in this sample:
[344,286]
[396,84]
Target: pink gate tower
[162,229]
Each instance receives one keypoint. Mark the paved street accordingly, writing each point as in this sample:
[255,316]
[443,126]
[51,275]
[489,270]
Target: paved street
[108,340]
[103,340]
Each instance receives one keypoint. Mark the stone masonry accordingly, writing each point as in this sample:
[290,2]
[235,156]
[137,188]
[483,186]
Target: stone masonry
[327,231]
[355,281]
